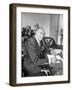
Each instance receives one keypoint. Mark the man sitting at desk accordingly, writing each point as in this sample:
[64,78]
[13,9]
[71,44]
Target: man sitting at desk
[33,55]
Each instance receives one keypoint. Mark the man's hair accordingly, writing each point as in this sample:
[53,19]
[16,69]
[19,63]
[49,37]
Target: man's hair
[41,29]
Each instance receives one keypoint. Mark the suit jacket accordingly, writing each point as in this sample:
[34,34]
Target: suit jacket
[33,57]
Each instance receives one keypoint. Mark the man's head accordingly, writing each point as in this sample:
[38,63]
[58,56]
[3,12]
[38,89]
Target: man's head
[39,33]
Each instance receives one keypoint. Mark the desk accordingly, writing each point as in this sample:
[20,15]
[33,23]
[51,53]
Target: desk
[56,61]
[53,69]
[58,68]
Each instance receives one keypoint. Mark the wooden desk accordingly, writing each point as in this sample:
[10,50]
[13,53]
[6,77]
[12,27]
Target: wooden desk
[55,68]
[58,68]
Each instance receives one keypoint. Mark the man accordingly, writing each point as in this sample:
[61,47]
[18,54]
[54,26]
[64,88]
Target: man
[32,55]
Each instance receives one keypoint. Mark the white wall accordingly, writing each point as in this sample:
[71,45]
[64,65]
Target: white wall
[49,22]
[53,26]
[31,19]
[4,45]
[60,21]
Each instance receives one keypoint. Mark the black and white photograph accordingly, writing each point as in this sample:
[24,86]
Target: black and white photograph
[41,44]
[41,40]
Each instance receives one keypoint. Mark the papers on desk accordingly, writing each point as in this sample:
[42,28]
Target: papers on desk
[54,59]
[59,58]
[50,57]
[58,50]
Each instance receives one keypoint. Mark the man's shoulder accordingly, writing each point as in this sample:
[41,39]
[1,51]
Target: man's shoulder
[32,40]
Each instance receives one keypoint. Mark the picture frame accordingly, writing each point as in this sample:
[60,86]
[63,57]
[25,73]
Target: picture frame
[17,20]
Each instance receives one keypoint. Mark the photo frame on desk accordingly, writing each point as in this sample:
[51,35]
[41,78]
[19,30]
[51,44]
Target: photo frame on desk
[55,21]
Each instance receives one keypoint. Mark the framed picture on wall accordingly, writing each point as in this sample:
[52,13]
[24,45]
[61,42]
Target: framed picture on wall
[39,44]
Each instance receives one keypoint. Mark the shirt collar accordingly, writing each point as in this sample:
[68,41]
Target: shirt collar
[37,40]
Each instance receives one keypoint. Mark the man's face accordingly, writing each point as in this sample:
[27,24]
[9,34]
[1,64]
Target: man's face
[40,34]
